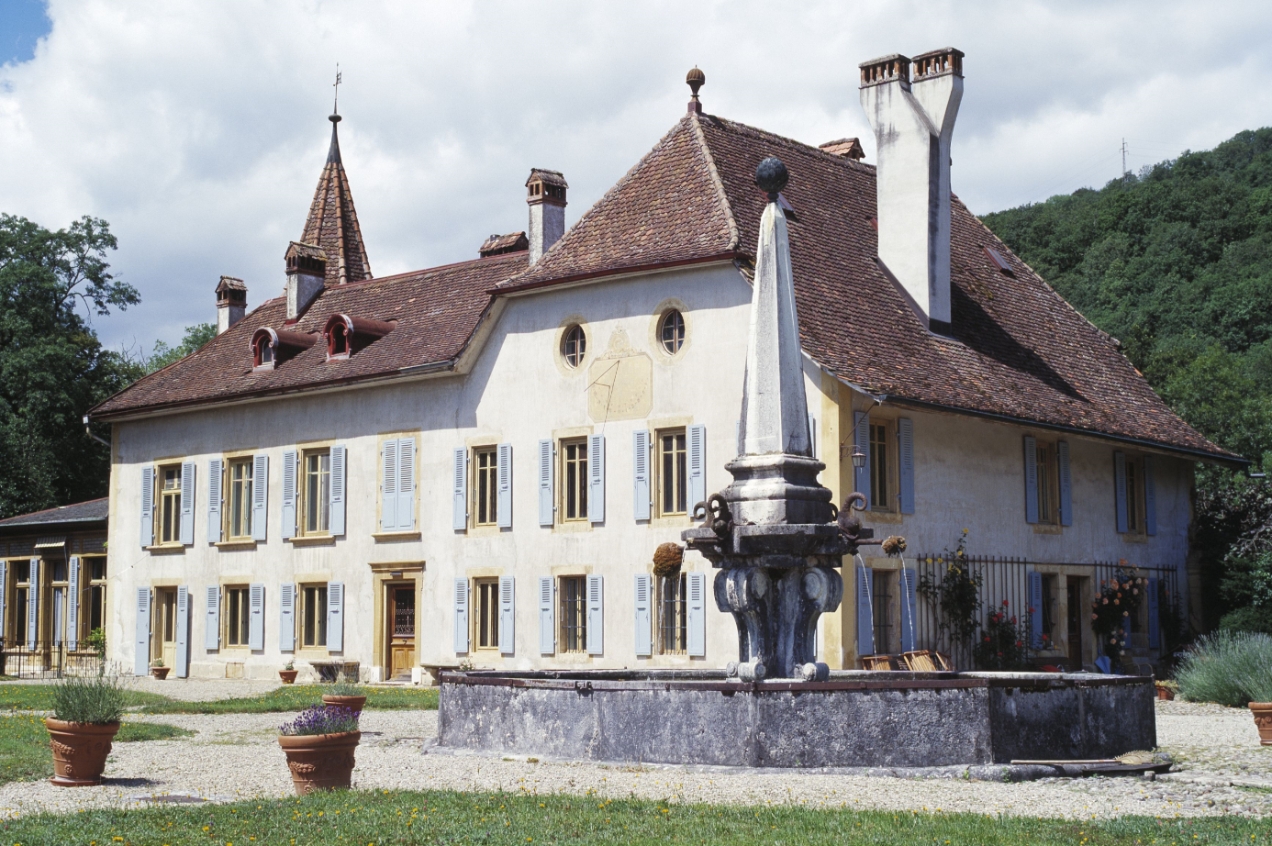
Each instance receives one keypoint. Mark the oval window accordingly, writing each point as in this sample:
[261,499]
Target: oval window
[574,345]
[671,332]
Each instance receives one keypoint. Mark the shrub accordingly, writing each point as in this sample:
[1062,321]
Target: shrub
[322,719]
[1230,668]
[1002,644]
[96,699]
[1252,618]
[97,642]
[345,685]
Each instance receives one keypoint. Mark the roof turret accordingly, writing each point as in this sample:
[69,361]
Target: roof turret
[333,221]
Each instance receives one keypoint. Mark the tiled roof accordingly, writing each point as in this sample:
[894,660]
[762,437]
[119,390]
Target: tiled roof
[1019,351]
[92,511]
[333,222]
[436,312]
[499,244]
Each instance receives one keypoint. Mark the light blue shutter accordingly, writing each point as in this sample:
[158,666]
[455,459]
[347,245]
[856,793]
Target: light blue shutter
[905,475]
[595,615]
[503,468]
[547,617]
[286,618]
[72,603]
[388,486]
[183,632]
[406,484]
[459,489]
[260,497]
[4,592]
[1150,497]
[212,619]
[1031,479]
[339,466]
[861,441]
[59,611]
[256,618]
[644,619]
[596,477]
[33,604]
[335,617]
[909,605]
[1119,489]
[507,615]
[289,494]
[1066,484]
[141,642]
[546,503]
[1154,620]
[461,616]
[147,507]
[697,460]
[1035,610]
[214,500]
[865,611]
[640,476]
[696,616]
[187,503]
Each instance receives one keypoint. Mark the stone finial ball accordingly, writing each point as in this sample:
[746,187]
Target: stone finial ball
[772,175]
[695,79]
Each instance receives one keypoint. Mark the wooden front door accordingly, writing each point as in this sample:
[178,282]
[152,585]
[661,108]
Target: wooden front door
[164,639]
[1076,616]
[401,603]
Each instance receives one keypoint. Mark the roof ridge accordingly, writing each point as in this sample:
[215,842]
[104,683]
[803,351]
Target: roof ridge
[716,181]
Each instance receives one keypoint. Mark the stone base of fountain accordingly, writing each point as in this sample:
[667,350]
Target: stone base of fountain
[856,719]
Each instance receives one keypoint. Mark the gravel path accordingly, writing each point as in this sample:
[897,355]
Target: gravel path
[1222,769]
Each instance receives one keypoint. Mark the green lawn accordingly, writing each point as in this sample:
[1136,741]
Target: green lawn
[383,818]
[39,697]
[299,697]
[24,744]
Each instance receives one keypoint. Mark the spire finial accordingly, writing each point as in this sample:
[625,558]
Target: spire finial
[335,98]
[695,79]
[771,175]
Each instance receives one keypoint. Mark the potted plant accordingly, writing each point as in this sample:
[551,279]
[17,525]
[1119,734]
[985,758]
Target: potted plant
[86,714]
[319,745]
[1166,689]
[1256,683]
[158,670]
[288,673]
[346,693]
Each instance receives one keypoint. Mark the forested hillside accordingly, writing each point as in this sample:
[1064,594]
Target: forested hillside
[1177,263]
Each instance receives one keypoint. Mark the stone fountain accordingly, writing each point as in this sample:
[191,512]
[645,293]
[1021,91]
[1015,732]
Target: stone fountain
[778,542]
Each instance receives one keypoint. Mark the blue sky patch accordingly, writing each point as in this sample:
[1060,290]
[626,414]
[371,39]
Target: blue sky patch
[22,24]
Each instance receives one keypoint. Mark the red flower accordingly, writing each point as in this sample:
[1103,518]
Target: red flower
[1018,644]
[987,638]
[1013,620]
[1004,603]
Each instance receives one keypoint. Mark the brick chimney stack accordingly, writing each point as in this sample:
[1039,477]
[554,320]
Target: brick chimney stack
[545,194]
[911,105]
[231,302]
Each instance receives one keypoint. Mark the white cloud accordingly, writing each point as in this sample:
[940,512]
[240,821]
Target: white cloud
[198,130]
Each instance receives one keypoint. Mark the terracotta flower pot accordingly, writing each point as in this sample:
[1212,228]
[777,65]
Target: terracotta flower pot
[353,702]
[79,751]
[160,673]
[288,676]
[320,761]
[1165,694]
[1262,712]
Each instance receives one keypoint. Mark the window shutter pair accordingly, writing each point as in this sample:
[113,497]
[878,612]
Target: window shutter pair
[183,633]
[286,618]
[547,504]
[336,498]
[73,603]
[33,604]
[187,503]
[507,616]
[256,617]
[459,489]
[335,616]
[397,485]
[461,617]
[141,640]
[547,615]
[909,607]
[260,497]
[595,615]
[861,441]
[865,611]
[216,475]
[1154,620]
[147,507]
[642,496]
[644,617]
[596,480]
[212,619]
[1035,610]
[696,616]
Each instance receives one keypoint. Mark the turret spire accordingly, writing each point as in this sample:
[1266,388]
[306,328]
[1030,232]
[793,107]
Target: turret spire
[333,222]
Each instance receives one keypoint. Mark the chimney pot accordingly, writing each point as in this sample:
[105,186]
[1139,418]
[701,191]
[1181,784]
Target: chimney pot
[231,302]
[546,196]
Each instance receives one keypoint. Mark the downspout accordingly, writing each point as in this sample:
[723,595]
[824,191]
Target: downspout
[88,431]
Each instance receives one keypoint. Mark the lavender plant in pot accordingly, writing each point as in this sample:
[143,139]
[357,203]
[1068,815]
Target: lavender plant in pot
[86,714]
[319,745]
[347,693]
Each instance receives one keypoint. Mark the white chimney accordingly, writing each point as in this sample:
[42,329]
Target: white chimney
[231,302]
[913,120]
[306,276]
[545,194]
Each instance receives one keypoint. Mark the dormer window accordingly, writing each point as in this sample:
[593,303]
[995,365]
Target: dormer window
[264,354]
[273,346]
[346,335]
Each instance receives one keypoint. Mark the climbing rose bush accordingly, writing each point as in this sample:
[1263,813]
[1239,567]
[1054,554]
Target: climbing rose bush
[1118,601]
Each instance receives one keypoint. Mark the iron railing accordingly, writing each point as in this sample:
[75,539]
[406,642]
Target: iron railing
[47,660]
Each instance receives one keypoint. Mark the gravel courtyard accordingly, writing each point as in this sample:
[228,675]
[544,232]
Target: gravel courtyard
[1220,769]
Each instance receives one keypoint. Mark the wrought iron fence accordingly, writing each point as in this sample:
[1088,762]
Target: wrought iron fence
[47,661]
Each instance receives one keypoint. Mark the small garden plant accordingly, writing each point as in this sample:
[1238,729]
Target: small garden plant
[1228,668]
[322,719]
[345,685]
[97,700]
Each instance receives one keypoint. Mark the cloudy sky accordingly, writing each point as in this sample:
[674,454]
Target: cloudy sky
[198,130]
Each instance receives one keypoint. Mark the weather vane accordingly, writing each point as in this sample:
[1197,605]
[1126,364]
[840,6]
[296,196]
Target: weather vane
[335,99]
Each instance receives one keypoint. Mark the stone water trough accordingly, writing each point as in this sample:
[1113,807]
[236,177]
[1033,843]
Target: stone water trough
[855,719]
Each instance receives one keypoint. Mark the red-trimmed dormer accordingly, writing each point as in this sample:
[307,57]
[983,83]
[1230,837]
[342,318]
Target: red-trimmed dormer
[346,335]
[270,346]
